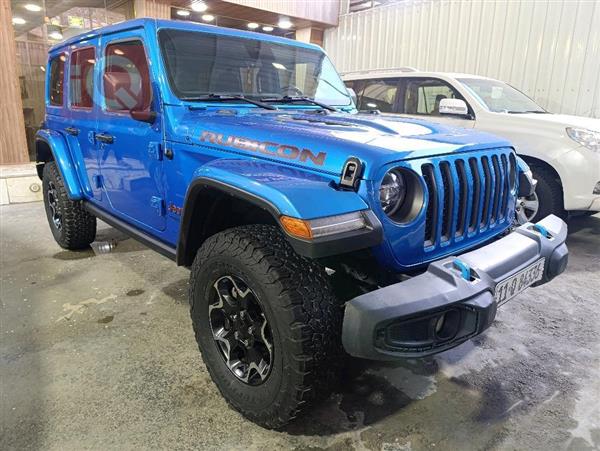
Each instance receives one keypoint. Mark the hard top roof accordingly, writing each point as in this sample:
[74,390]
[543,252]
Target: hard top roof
[179,25]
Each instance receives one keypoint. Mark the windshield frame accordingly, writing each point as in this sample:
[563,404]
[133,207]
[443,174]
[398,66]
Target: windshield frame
[463,81]
[170,82]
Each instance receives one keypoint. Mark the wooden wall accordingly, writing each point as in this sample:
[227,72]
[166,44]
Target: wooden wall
[157,9]
[13,144]
[324,11]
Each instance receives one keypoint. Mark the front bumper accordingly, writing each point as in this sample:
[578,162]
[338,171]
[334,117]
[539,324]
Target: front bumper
[405,319]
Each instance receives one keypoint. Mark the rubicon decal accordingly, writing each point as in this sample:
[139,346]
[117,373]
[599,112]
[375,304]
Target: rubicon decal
[273,149]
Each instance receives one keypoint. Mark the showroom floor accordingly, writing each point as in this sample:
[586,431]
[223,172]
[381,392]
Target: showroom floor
[97,352]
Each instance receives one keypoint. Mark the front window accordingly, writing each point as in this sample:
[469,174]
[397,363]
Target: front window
[500,97]
[126,77]
[199,64]
[423,96]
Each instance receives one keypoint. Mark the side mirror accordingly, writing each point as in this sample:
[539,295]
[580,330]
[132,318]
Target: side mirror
[457,107]
[147,116]
[352,93]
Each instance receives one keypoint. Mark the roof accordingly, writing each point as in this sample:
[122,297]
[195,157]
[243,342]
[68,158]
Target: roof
[404,72]
[180,25]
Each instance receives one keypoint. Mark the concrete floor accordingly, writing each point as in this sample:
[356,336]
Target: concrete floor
[97,352]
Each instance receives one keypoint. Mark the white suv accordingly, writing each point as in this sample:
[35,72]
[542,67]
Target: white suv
[562,151]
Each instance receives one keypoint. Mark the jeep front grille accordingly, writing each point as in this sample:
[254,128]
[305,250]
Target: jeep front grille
[467,196]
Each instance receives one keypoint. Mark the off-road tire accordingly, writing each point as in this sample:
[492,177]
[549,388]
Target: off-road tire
[78,227]
[550,194]
[300,307]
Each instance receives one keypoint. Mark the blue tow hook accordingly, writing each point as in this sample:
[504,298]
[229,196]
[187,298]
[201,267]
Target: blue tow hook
[465,270]
[542,230]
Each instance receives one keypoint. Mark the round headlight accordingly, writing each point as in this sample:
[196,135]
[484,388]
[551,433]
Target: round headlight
[401,195]
[392,192]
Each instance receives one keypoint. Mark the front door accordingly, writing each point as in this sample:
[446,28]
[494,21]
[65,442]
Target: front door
[129,150]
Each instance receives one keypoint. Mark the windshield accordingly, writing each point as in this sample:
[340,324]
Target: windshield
[500,97]
[199,64]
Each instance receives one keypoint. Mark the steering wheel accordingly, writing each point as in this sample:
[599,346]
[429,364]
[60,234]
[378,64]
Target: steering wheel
[293,89]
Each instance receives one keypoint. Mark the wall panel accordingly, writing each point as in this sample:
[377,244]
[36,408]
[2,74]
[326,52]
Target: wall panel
[549,49]
[13,145]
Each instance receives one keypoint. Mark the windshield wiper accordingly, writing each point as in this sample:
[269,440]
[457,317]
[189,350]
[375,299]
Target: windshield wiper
[292,99]
[227,97]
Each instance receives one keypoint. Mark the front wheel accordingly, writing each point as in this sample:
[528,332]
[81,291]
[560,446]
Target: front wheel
[266,322]
[549,194]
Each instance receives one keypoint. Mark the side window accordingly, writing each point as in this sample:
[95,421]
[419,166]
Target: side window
[126,77]
[379,94]
[57,80]
[423,96]
[81,78]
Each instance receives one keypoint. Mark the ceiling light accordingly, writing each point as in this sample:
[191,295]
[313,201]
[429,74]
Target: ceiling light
[43,68]
[199,7]
[279,66]
[183,12]
[208,17]
[56,35]
[119,52]
[285,23]
[253,25]
[268,28]
[18,21]
[91,61]
[33,8]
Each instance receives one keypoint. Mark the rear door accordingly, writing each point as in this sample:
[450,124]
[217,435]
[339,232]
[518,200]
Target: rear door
[83,110]
[129,150]
[378,94]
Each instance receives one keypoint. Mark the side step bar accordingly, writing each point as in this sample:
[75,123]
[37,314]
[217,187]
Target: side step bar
[119,224]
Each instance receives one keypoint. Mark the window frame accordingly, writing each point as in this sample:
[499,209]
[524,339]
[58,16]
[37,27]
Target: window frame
[51,60]
[70,105]
[104,46]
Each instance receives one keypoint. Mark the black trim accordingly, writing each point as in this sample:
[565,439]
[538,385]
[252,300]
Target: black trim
[192,193]
[316,248]
[132,231]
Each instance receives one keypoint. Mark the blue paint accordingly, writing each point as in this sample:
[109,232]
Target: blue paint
[465,270]
[542,230]
[138,183]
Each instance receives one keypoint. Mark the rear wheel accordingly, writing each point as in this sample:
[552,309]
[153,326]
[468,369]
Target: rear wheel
[266,322]
[71,225]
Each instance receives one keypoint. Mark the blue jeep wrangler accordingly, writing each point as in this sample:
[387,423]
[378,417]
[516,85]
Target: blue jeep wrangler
[309,228]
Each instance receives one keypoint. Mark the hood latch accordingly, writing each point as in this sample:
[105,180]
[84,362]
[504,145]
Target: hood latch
[351,174]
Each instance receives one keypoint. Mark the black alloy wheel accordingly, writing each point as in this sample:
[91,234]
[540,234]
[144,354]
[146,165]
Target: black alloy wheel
[240,330]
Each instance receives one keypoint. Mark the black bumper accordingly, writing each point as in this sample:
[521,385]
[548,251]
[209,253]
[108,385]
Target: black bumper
[452,301]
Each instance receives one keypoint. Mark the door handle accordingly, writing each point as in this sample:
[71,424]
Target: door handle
[105,138]
[72,131]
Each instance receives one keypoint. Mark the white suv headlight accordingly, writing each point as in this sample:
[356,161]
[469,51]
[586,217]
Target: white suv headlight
[585,137]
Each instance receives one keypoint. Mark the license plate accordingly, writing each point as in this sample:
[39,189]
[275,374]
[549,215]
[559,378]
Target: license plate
[509,288]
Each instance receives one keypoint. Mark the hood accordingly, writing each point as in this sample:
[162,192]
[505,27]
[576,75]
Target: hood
[321,142]
[562,120]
